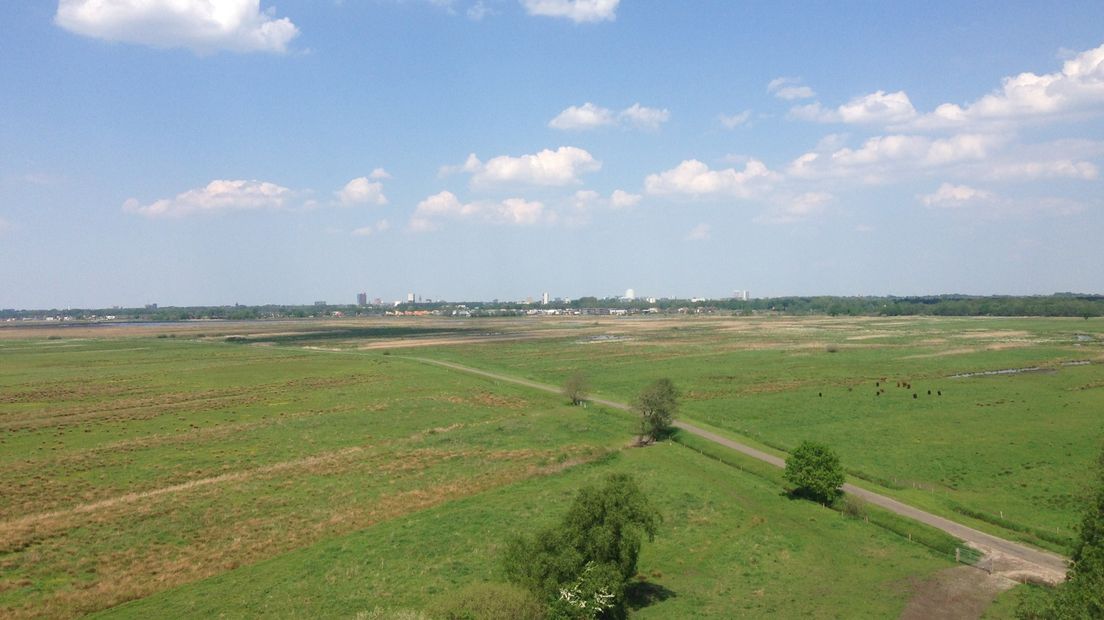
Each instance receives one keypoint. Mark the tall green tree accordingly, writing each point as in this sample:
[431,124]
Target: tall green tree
[656,404]
[815,471]
[587,560]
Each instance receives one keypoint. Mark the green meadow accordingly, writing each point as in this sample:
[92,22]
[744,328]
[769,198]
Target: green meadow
[1009,453]
[302,468]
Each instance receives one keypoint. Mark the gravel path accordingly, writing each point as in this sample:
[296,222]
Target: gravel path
[1025,562]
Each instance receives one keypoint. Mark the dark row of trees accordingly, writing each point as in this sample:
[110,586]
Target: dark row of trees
[1059,304]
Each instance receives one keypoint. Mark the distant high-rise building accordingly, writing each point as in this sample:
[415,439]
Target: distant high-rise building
[362,299]
[410,298]
[741,295]
[630,294]
[544,299]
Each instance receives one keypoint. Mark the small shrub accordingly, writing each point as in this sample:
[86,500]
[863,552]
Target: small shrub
[853,506]
[489,601]
[832,348]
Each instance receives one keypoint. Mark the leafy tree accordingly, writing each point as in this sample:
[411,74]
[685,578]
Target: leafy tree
[815,470]
[591,555]
[577,388]
[657,404]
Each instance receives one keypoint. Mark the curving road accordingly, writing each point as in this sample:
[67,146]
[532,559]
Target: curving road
[1043,565]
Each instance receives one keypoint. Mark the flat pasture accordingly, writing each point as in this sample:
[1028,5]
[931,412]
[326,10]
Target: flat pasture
[731,545]
[1010,452]
[133,465]
[320,468]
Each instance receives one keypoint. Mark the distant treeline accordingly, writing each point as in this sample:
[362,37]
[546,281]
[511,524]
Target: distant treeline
[1057,305]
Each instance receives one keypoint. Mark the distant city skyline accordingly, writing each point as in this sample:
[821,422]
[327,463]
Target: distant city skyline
[296,151]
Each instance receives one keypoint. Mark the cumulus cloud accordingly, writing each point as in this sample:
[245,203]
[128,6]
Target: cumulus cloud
[1034,170]
[736,120]
[694,178]
[950,196]
[445,205]
[620,199]
[700,232]
[1079,86]
[586,116]
[578,11]
[875,108]
[881,157]
[644,117]
[379,174]
[563,166]
[591,116]
[219,196]
[789,88]
[361,190]
[202,26]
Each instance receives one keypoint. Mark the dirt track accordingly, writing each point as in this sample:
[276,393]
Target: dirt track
[1022,562]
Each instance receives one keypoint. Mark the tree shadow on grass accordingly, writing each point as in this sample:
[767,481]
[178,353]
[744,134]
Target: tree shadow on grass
[641,594]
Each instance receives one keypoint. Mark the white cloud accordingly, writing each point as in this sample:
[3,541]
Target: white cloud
[591,116]
[693,177]
[643,117]
[796,208]
[218,196]
[789,88]
[367,231]
[620,199]
[1078,86]
[955,196]
[883,157]
[445,205]
[586,116]
[200,25]
[700,232]
[362,191]
[560,167]
[1034,170]
[379,174]
[875,108]
[736,120]
[578,11]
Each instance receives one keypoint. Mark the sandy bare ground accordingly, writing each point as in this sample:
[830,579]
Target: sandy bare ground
[959,593]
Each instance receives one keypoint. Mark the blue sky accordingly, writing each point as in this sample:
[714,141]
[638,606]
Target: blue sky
[162,151]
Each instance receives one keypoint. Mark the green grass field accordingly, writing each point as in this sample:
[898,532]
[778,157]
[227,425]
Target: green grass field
[133,465]
[731,546]
[313,468]
[1012,450]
